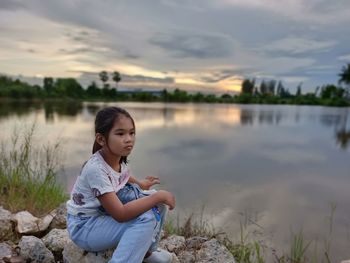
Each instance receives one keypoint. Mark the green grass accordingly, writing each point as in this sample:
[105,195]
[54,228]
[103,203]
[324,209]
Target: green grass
[28,175]
[249,248]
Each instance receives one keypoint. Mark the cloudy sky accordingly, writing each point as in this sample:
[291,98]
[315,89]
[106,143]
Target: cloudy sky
[209,45]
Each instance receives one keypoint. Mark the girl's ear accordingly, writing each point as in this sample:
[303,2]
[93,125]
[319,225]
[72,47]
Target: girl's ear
[100,139]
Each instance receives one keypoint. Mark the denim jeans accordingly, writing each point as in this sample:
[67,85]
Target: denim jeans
[132,239]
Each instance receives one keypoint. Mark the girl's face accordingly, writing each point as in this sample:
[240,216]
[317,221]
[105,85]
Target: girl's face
[121,137]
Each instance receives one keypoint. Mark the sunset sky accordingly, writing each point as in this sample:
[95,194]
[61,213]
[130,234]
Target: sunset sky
[207,45]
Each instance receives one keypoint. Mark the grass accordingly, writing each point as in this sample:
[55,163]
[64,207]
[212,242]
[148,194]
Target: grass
[28,175]
[249,250]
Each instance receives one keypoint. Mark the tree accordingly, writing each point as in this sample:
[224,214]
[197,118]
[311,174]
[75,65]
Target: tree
[263,87]
[271,85]
[298,93]
[93,90]
[280,89]
[248,86]
[345,77]
[116,77]
[104,78]
[48,85]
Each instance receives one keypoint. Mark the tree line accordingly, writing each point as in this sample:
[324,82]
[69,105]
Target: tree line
[267,92]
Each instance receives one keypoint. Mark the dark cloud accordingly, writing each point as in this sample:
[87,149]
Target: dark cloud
[89,76]
[193,45]
[10,5]
[218,76]
[140,78]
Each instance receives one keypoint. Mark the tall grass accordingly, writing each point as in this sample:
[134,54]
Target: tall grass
[298,248]
[248,249]
[28,174]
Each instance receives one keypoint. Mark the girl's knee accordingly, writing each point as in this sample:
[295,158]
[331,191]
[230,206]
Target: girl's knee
[147,218]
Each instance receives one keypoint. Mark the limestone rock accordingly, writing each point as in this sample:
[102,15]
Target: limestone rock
[5,250]
[195,242]
[212,251]
[55,241]
[72,253]
[33,249]
[5,224]
[60,218]
[29,224]
[186,257]
[173,243]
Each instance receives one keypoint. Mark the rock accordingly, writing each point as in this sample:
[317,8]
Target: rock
[29,224]
[186,257]
[345,261]
[212,251]
[55,241]
[195,242]
[5,250]
[6,230]
[32,249]
[175,259]
[72,254]
[173,243]
[13,259]
[60,218]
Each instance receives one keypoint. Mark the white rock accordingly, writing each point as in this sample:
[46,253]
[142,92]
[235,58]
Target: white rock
[32,249]
[29,224]
[186,257]
[212,251]
[345,261]
[5,224]
[56,239]
[60,218]
[173,243]
[72,254]
[5,250]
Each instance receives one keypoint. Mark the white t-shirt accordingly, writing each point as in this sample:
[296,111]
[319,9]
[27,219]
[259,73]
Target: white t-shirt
[96,178]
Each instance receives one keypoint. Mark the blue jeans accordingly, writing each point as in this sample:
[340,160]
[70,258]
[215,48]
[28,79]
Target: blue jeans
[134,238]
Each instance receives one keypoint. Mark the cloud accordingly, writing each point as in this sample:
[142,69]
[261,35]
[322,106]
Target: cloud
[10,5]
[193,45]
[312,11]
[298,45]
[345,57]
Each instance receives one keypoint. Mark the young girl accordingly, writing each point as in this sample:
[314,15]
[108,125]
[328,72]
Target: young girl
[98,217]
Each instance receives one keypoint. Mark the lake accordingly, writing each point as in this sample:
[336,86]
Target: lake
[272,169]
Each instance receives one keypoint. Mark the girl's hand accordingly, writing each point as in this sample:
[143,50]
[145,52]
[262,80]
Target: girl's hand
[148,182]
[166,198]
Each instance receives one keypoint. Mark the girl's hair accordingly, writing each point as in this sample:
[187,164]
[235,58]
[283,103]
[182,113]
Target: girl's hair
[104,122]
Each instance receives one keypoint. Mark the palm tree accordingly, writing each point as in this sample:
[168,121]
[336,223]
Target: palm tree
[104,78]
[345,77]
[116,77]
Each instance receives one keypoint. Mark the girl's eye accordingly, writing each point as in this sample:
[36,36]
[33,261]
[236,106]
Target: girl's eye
[120,134]
[132,133]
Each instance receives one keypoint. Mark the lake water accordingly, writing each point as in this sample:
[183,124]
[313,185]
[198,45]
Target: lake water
[273,169]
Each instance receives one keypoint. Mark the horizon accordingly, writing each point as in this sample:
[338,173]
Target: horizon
[208,46]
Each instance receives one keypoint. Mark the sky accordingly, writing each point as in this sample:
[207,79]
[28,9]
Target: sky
[196,45]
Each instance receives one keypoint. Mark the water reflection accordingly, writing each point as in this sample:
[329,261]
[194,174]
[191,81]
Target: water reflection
[163,115]
[276,166]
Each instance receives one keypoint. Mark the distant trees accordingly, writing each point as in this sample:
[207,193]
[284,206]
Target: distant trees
[248,86]
[345,77]
[116,77]
[267,92]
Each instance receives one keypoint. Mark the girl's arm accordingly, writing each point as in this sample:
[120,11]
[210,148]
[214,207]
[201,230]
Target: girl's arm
[122,213]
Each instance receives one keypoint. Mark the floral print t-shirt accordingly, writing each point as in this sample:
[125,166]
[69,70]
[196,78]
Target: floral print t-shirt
[96,178]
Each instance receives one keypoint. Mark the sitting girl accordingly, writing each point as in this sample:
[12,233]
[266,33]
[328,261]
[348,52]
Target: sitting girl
[108,208]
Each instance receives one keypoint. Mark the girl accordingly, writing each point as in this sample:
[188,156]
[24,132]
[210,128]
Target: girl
[98,218]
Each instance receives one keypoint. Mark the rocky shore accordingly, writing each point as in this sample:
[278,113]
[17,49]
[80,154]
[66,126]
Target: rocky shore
[26,238]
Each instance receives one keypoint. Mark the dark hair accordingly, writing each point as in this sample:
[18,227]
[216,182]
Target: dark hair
[104,122]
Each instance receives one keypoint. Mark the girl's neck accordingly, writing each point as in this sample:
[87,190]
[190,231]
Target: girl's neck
[112,160]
